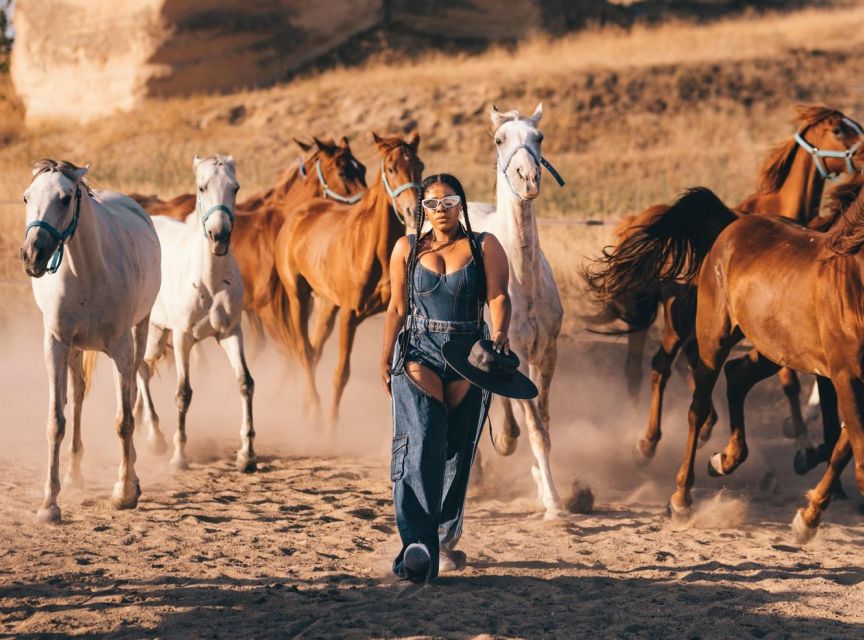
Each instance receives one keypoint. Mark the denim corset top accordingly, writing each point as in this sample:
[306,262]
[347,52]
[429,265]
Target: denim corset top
[452,297]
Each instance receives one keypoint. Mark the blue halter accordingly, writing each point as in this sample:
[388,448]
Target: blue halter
[206,215]
[540,160]
[394,193]
[818,154]
[61,236]
[329,193]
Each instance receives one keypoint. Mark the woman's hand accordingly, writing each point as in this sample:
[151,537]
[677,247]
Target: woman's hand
[385,376]
[501,342]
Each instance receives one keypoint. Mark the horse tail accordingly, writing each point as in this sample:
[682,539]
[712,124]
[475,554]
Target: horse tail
[89,368]
[671,247]
[276,316]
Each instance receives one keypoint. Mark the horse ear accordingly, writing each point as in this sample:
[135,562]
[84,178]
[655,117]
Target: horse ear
[82,171]
[344,142]
[305,146]
[195,162]
[378,139]
[497,117]
[323,145]
[229,160]
[414,142]
[538,113]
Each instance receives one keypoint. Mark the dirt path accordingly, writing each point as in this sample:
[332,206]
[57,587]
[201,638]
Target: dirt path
[302,547]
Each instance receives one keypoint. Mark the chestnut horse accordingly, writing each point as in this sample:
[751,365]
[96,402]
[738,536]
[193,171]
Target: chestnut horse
[790,185]
[321,172]
[793,292]
[341,254]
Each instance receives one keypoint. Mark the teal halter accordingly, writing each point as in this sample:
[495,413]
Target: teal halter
[818,154]
[540,160]
[62,237]
[216,207]
[394,193]
[329,193]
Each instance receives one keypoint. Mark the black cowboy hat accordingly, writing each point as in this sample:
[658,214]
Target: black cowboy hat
[481,365]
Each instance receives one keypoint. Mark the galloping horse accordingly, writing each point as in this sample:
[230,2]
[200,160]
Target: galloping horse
[341,254]
[794,293]
[337,176]
[791,183]
[537,309]
[201,297]
[103,256]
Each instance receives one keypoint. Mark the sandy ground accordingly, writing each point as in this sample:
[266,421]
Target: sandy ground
[302,548]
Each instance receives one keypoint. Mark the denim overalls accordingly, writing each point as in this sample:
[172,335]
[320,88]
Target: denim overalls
[432,448]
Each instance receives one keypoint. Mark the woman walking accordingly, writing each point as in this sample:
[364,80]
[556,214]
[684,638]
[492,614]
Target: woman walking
[446,275]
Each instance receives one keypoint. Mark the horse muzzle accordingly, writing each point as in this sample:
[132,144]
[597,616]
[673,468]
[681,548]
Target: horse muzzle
[35,253]
[220,242]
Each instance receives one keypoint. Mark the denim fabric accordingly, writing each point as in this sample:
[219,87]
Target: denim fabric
[432,449]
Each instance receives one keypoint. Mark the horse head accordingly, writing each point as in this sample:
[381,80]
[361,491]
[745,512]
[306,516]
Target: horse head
[517,143]
[53,205]
[833,139]
[216,199]
[401,173]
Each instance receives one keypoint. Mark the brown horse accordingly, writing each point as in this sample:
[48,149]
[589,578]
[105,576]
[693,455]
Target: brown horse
[341,254]
[325,167]
[790,185]
[794,293]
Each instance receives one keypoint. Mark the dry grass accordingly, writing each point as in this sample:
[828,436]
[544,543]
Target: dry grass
[631,119]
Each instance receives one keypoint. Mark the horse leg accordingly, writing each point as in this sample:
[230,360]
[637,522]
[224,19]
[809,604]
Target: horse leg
[542,375]
[691,354]
[808,458]
[300,306]
[633,365]
[704,378]
[806,522]
[741,375]
[794,426]
[811,409]
[127,357]
[325,319]
[157,339]
[74,477]
[538,436]
[56,363]
[183,343]
[233,347]
[347,329]
[507,438]
[661,367]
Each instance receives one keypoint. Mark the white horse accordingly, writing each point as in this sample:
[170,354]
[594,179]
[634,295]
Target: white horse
[103,256]
[201,297]
[537,310]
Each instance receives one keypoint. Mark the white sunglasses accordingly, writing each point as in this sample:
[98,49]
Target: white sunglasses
[448,201]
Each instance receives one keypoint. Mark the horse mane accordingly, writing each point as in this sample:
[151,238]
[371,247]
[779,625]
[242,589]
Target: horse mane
[47,165]
[775,169]
[846,208]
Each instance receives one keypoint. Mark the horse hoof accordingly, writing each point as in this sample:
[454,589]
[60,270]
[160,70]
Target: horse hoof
[802,532]
[678,515]
[246,464]
[123,499]
[74,481]
[49,515]
[553,513]
[156,444]
[505,445]
[641,456]
[715,465]
[805,460]
[180,464]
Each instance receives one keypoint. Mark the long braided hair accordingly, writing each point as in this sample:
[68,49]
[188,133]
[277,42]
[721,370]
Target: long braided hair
[465,226]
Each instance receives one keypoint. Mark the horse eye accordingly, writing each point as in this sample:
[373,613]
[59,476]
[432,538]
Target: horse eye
[539,137]
[391,169]
[497,140]
[25,199]
[65,200]
[237,188]
[202,189]
[837,131]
